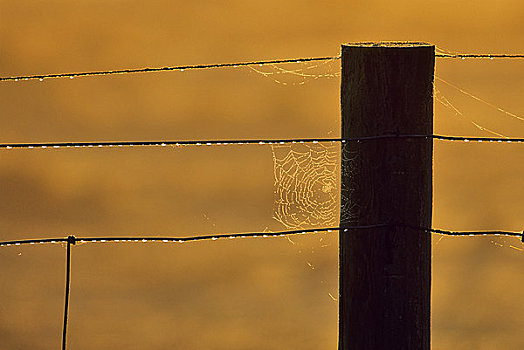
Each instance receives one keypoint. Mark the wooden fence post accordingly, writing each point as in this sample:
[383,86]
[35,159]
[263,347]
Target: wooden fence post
[385,272]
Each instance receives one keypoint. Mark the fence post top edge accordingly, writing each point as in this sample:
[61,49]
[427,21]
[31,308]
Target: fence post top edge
[389,44]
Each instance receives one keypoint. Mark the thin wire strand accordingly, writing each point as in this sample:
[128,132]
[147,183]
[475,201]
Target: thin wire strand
[163,69]
[176,239]
[479,55]
[475,233]
[224,65]
[102,144]
[130,239]
[33,241]
[160,143]
[476,139]
[70,240]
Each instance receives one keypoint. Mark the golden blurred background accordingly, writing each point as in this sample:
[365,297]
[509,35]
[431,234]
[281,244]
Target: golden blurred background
[241,294]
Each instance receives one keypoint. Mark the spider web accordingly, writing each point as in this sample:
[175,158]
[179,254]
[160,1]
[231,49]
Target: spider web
[307,185]
[299,73]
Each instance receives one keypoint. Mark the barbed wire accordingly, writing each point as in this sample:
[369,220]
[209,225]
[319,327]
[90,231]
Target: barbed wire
[129,239]
[103,144]
[42,77]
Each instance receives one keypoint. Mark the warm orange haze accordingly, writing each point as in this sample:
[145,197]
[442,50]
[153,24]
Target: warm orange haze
[257,293]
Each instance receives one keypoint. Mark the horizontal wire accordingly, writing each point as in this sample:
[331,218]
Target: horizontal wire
[162,69]
[478,139]
[460,233]
[33,241]
[476,233]
[223,65]
[160,143]
[465,233]
[102,144]
[128,239]
[176,239]
[213,237]
[481,55]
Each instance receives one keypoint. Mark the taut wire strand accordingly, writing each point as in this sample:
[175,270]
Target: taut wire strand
[160,143]
[174,239]
[33,241]
[72,239]
[479,55]
[102,144]
[477,139]
[224,65]
[163,69]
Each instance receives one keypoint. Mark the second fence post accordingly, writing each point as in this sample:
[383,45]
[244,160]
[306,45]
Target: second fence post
[385,272]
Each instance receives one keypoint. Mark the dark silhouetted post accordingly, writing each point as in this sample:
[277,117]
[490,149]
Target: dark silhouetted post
[385,272]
